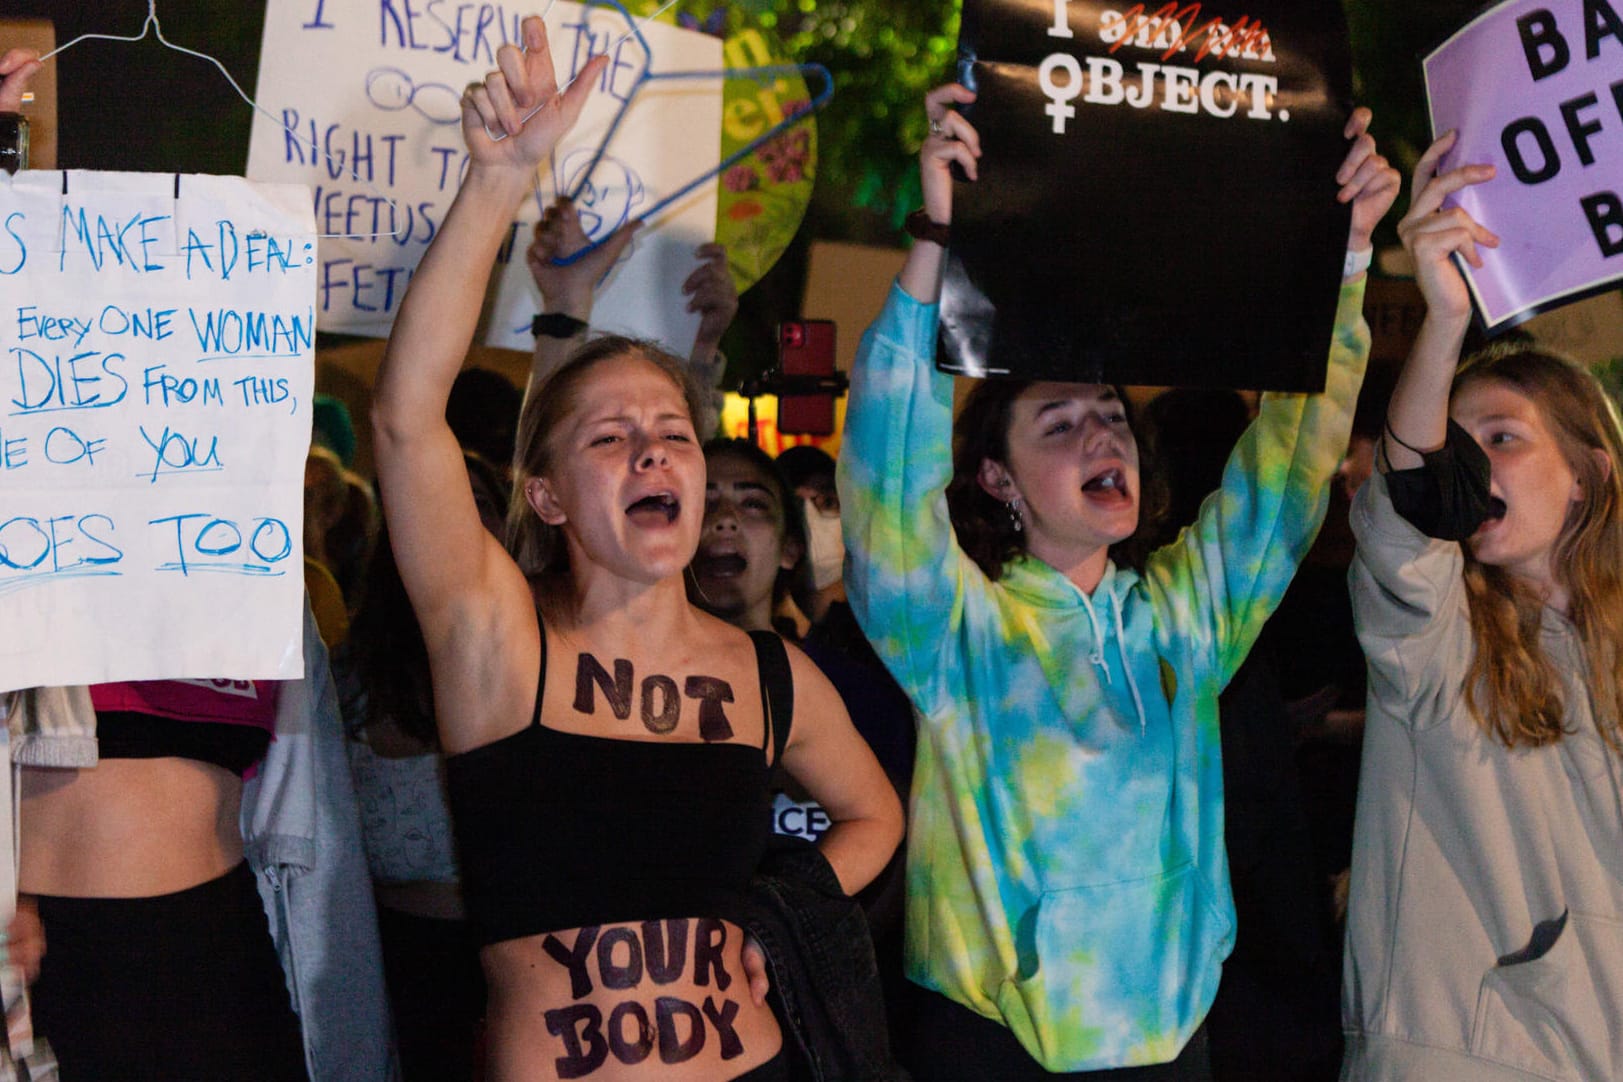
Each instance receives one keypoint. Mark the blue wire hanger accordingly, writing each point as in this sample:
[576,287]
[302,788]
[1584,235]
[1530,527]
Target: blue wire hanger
[649,75]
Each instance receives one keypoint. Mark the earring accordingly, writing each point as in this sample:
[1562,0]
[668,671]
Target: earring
[1013,507]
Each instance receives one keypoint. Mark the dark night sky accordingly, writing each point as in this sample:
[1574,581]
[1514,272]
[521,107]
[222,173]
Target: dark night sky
[140,106]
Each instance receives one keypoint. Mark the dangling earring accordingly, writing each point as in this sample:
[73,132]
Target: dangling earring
[1013,507]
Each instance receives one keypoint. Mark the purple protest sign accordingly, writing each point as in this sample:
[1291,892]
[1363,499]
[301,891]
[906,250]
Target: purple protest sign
[1533,88]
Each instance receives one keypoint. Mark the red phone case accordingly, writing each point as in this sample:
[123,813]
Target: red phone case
[806,348]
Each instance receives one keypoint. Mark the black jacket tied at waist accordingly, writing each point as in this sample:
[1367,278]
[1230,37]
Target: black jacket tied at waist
[825,983]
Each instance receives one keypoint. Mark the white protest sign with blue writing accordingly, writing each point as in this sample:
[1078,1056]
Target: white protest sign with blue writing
[156,370]
[376,88]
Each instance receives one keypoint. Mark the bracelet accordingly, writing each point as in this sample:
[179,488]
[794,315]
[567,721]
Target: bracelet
[1357,262]
[920,226]
[556,325]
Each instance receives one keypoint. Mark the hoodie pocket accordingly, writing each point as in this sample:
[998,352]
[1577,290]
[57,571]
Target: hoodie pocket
[1550,1008]
[1116,974]
[1520,1003]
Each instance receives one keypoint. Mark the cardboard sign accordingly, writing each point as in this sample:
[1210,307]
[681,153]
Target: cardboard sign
[1156,202]
[1535,88]
[156,372]
[372,96]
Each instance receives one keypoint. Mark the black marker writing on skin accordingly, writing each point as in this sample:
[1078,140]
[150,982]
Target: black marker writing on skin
[708,941]
[584,1048]
[670,708]
[678,1027]
[711,693]
[624,956]
[574,959]
[673,1048]
[617,689]
[618,976]
[631,1051]
[661,706]
[665,950]
[722,1019]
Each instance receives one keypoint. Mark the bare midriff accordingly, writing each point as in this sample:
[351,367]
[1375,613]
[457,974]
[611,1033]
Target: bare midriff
[664,999]
[128,828]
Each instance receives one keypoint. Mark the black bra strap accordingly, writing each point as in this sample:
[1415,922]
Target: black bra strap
[541,676]
[777,691]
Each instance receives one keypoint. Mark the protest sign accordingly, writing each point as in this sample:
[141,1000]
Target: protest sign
[763,197]
[156,371]
[370,98]
[1156,201]
[1535,88]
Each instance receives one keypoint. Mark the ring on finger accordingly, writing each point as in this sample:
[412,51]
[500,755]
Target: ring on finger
[936,127]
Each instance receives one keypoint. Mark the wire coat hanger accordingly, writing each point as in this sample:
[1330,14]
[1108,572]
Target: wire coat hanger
[649,75]
[152,25]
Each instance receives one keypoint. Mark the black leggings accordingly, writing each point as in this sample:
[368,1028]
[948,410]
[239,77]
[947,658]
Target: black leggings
[184,987]
[950,1043]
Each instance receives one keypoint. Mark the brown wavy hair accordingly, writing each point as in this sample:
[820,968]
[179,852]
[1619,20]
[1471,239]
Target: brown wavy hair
[984,526]
[1513,688]
[538,547]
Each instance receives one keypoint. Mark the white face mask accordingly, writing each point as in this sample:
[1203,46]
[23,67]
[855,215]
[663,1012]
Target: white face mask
[824,545]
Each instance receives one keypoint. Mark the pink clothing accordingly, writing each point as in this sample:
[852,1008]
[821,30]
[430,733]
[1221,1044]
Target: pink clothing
[225,702]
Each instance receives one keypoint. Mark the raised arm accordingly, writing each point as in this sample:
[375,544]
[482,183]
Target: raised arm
[952,139]
[905,575]
[1245,546]
[567,290]
[452,567]
[1417,419]
[1406,586]
[713,294]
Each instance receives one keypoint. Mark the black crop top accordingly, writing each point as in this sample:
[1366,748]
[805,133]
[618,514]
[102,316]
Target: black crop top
[560,830]
[131,734]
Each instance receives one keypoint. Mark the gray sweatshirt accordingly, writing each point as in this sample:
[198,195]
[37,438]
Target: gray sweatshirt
[1485,929]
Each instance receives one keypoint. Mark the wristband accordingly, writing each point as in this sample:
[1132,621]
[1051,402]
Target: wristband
[556,325]
[919,225]
[1357,262]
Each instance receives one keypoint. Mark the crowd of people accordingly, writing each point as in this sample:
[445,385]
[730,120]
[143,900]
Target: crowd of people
[600,764]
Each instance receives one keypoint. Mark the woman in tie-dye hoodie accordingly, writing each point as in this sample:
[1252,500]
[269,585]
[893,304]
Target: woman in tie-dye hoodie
[1067,879]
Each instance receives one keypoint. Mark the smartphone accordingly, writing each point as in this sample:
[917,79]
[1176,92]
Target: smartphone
[806,352]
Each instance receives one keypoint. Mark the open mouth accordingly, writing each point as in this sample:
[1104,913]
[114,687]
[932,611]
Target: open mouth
[721,565]
[1108,485]
[660,506]
[1496,509]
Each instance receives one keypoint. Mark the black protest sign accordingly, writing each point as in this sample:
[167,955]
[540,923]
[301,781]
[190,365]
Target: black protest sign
[1156,202]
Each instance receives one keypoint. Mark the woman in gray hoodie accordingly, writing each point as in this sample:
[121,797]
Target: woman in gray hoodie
[1485,932]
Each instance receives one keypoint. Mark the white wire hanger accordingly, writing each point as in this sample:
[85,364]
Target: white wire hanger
[153,26]
[156,28]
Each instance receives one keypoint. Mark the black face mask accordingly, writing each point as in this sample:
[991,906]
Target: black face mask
[1446,496]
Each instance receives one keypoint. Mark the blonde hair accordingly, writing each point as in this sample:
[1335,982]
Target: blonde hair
[538,547]
[1513,688]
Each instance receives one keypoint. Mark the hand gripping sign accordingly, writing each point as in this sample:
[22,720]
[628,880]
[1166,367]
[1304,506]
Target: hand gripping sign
[1157,197]
[1535,88]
